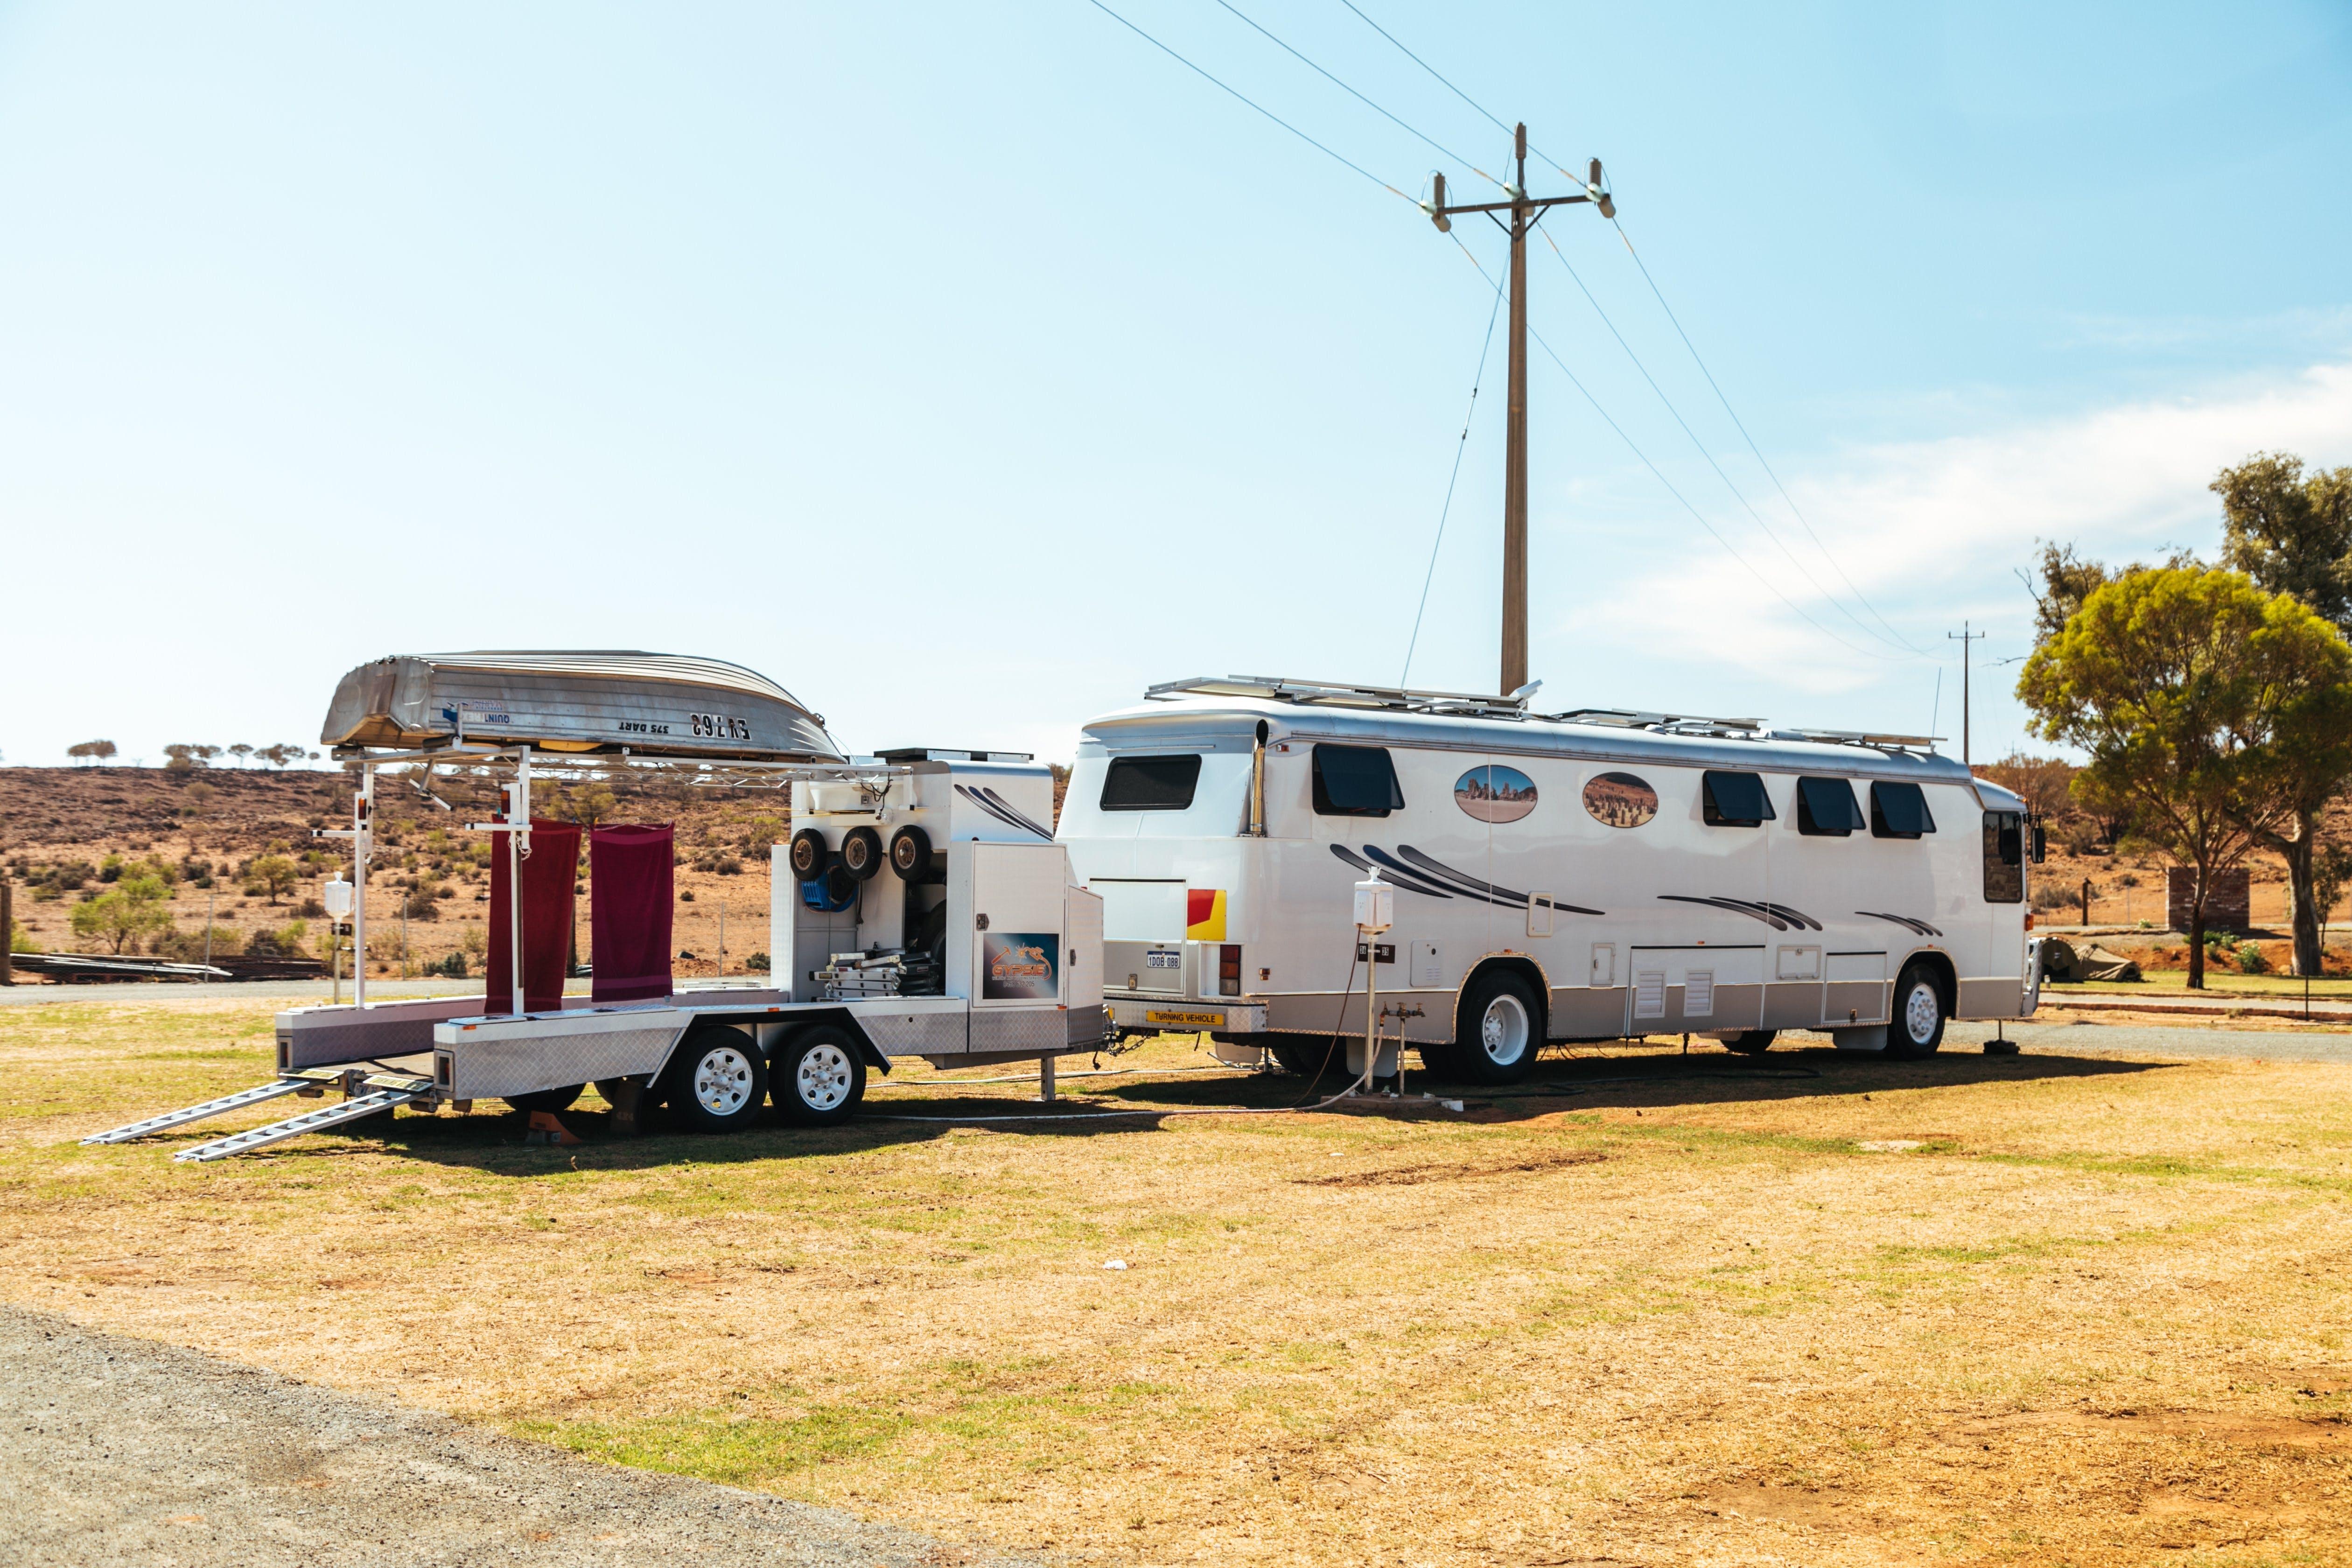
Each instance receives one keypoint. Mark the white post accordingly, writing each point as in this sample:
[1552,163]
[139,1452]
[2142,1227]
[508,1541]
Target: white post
[517,849]
[209,893]
[363,845]
[1045,1080]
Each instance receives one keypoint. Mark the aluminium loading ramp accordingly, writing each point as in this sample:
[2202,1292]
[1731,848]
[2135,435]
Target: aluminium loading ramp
[314,1080]
[388,1091]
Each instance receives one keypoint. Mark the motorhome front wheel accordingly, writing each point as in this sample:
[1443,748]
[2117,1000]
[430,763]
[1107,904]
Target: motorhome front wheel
[718,1080]
[1919,1013]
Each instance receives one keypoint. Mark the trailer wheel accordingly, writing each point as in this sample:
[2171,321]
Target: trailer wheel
[910,854]
[1918,1027]
[1751,1042]
[547,1099]
[861,852]
[1498,1031]
[807,855]
[818,1077]
[718,1079]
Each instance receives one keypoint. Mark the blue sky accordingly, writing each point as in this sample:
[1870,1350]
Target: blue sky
[967,369]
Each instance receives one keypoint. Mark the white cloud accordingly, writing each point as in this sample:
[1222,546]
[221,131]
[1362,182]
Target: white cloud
[1932,531]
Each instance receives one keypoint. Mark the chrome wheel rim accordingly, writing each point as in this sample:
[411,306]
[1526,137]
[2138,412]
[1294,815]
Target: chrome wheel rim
[1920,1011]
[722,1080]
[1503,1032]
[822,1079]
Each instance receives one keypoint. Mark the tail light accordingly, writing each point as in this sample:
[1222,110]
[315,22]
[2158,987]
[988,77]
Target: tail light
[1229,971]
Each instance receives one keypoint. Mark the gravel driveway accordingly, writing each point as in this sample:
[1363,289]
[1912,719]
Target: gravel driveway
[122,1451]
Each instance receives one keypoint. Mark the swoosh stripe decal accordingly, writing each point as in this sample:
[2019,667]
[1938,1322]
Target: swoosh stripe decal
[1006,807]
[986,801]
[1737,908]
[1436,869]
[1404,879]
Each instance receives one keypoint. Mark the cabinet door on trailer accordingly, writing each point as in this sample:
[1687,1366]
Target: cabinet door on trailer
[1017,910]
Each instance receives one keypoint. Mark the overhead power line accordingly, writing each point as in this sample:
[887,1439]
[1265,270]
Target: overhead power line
[1889,634]
[1736,494]
[1432,69]
[1701,518]
[1253,103]
[1359,97]
[1485,347]
[1741,425]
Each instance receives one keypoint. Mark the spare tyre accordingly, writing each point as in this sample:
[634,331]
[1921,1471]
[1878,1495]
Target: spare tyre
[808,854]
[861,852]
[910,852]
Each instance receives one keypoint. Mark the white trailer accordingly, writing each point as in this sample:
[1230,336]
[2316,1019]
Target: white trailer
[1579,875]
[933,915]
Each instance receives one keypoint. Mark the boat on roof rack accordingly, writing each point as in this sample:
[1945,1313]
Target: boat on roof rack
[595,704]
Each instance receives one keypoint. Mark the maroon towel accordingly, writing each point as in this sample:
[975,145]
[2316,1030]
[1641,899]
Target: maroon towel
[547,882]
[629,912]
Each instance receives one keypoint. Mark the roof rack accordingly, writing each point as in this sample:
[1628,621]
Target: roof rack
[1475,705]
[1871,739]
[1668,723]
[1332,694]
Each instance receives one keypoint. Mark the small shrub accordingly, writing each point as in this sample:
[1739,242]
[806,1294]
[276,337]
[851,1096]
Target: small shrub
[757,963]
[2250,959]
[452,967]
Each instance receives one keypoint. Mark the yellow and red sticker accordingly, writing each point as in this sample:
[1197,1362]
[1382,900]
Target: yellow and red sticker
[1205,914]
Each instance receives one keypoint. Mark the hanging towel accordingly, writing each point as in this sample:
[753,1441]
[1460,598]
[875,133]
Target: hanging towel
[547,913]
[629,910]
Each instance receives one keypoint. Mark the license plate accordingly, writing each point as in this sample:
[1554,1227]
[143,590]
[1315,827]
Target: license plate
[1162,960]
[1190,1020]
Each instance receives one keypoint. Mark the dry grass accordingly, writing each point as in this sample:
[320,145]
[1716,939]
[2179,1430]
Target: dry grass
[2096,1314]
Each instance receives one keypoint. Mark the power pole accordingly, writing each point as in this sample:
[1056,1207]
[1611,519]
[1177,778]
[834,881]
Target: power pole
[1525,212]
[1964,636]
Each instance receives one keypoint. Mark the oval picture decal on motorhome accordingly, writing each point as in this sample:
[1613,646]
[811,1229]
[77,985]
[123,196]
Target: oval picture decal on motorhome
[1495,794]
[1621,800]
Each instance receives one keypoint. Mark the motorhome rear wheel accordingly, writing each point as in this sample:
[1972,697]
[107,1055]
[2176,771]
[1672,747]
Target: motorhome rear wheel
[818,1077]
[548,1099]
[1752,1042]
[861,852]
[1499,1029]
[718,1080]
[1308,1058]
[1919,1013]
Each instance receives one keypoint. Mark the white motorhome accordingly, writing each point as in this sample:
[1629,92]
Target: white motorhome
[1580,875]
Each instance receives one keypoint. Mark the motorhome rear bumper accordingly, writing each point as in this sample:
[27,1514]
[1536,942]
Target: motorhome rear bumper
[1130,1010]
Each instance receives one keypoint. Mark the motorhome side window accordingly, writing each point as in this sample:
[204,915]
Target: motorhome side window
[2004,856]
[1735,800]
[1899,811]
[1827,807]
[1150,784]
[1355,780]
